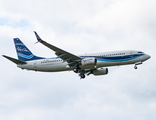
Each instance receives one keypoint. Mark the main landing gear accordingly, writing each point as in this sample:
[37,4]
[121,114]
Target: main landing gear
[81,73]
[82,76]
[76,69]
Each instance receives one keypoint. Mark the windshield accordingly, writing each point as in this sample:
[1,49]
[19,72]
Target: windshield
[140,52]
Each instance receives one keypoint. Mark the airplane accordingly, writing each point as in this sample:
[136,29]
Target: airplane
[93,63]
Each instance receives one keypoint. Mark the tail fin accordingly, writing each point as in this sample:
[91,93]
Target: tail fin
[23,53]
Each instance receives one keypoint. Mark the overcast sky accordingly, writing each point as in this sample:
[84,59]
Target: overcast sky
[79,27]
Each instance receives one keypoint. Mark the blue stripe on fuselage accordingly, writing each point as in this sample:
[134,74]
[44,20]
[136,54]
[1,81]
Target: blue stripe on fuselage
[116,58]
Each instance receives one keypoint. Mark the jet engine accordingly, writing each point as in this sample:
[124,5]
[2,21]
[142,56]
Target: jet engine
[102,71]
[91,61]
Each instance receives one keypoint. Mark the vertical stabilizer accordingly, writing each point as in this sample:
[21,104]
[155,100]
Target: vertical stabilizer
[23,53]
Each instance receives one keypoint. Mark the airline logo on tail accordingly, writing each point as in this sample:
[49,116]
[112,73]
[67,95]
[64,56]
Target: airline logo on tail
[22,49]
[23,53]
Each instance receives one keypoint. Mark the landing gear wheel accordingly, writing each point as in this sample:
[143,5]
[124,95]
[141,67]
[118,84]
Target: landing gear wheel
[75,70]
[82,76]
[135,67]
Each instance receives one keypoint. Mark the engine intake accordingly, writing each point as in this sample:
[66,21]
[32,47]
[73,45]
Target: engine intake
[102,71]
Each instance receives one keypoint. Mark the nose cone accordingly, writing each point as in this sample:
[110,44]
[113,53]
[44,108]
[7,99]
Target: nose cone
[148,57]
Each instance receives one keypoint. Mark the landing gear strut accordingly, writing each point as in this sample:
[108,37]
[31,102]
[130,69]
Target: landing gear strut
[138,63]
[76,70]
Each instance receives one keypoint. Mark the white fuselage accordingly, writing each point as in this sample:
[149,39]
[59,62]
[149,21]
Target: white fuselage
[104,59]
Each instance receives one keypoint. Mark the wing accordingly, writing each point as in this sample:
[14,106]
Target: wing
[72,59]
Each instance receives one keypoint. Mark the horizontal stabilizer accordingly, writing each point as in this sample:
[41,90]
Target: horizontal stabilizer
[14,60]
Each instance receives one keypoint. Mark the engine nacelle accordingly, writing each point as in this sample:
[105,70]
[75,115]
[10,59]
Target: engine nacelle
[102,71]
[90,61]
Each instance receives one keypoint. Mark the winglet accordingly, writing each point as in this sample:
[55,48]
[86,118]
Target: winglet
[38,37]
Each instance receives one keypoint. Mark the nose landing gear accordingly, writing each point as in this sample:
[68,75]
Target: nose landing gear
[138,63]
[135,67]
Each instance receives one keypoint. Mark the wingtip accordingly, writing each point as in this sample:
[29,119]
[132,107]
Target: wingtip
[35,32]
[37,36]
[3,55]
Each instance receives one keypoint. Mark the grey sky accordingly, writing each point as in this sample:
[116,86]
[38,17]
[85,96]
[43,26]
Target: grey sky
[78,27]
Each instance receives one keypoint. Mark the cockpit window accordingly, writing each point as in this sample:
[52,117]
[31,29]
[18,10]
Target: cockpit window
[140,52]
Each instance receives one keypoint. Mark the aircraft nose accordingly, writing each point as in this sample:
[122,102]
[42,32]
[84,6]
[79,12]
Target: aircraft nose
[148,56]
